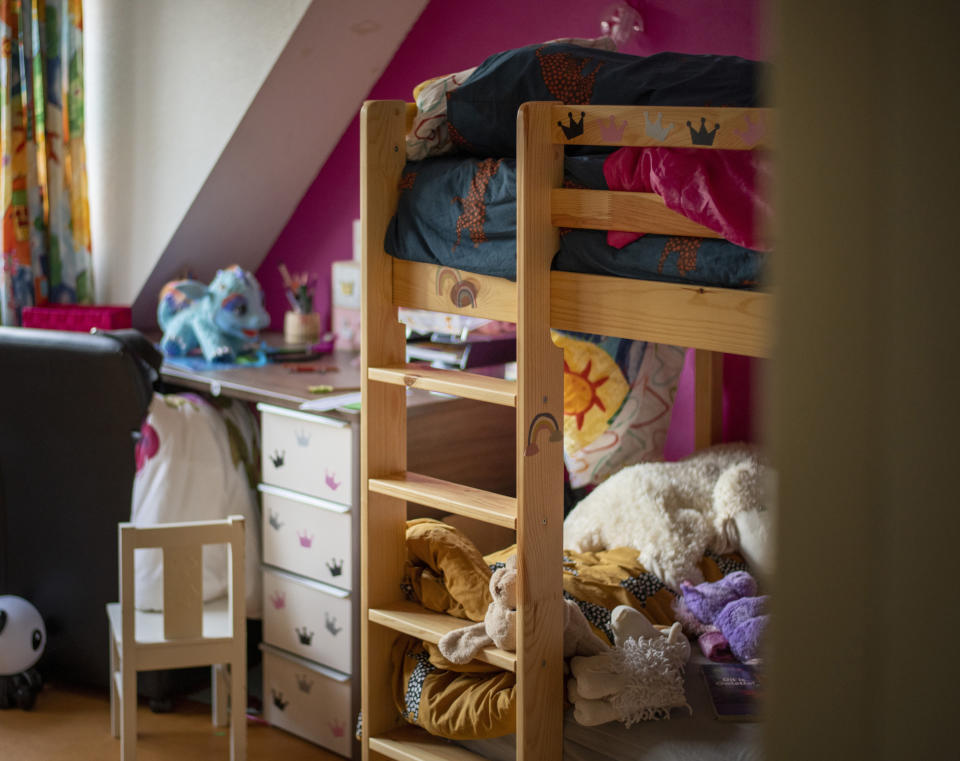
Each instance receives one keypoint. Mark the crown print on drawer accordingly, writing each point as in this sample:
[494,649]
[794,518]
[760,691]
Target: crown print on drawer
[274,520]
[337,728]
[277,458]
[331,479]
[305,636]
[304,683]
[278,700]
[306,540]
[335,566]
[702,136]
[278,600]
[331,624]
[303,438]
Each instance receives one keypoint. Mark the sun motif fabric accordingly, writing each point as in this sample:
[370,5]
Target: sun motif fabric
[618,399]
[43,183]
[593,390]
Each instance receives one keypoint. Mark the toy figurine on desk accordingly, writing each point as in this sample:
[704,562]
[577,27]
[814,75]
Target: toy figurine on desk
[222,320]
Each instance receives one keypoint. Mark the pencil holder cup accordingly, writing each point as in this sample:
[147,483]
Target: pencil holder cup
[300,328]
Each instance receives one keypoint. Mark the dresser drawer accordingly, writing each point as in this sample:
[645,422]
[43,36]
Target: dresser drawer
[308,536]
[307,700]
[308,453]
[308,618]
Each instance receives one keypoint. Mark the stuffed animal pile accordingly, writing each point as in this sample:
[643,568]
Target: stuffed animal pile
[499,627]
[730,617]
[673,512]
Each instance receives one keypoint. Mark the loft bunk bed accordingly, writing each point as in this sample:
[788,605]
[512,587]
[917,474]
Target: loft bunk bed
[712,320]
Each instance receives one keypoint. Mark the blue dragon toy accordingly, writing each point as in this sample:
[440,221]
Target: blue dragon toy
[222,319]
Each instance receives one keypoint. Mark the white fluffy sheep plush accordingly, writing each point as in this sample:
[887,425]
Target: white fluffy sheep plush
[672,512]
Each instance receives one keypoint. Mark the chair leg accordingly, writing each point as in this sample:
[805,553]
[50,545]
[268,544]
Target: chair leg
[114,698]
[238,710]
[220,694]
[128,711]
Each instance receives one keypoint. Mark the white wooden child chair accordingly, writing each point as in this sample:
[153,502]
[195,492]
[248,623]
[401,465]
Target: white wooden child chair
[187,632]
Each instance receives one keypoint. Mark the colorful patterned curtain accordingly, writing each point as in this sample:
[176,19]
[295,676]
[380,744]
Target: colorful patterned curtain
[43,177]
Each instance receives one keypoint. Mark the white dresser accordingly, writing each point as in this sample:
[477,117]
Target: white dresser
[310,497]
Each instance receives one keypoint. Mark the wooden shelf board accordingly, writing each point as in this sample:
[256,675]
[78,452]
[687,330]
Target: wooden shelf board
[417,621]
[466,385]
[485,506]
[414,744]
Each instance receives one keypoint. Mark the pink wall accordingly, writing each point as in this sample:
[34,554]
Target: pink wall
[453,36]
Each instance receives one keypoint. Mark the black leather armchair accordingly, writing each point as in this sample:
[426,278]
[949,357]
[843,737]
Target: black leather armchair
[71,406]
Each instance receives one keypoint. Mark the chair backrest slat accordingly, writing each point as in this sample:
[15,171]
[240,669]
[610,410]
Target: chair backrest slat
[183,592]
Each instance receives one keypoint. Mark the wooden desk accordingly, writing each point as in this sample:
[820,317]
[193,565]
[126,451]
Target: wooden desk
[482,457]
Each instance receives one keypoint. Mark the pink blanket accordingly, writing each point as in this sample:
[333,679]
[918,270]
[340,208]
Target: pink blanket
[720,190]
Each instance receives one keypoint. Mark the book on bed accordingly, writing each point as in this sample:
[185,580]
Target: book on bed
[734,690]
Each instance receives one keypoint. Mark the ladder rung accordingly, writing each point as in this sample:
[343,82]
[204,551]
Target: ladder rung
[483,388]
[486,506]
[417,621]
[415,744]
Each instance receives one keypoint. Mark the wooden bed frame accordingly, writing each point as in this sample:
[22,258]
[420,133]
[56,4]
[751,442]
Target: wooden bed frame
[711,320]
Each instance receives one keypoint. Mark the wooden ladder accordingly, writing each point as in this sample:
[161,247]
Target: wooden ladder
[386,485]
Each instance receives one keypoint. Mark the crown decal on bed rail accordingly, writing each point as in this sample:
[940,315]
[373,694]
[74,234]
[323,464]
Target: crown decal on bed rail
[702,136]
[609,131]
[575,129]
[655,128]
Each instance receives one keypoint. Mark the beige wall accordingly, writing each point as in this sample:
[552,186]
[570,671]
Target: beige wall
[207,120]
[167,84]
[864,413]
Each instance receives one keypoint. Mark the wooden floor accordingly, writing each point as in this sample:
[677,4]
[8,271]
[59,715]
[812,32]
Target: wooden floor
[74,724]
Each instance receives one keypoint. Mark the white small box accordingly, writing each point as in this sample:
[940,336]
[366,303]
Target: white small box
[346,281]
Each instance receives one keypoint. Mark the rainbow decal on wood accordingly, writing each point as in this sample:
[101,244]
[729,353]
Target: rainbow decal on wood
[463,291]
[543,421]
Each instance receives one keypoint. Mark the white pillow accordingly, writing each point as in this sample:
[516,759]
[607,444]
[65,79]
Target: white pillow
[187,471]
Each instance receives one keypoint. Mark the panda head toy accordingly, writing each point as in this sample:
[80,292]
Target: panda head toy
[22,635]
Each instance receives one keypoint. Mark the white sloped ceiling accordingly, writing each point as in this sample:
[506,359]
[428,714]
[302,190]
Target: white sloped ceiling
[207,120]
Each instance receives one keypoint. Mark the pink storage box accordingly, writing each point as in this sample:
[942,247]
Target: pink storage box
[77,317]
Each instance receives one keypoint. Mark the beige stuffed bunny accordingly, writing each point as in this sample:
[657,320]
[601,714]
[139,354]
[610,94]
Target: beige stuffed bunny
[499,627]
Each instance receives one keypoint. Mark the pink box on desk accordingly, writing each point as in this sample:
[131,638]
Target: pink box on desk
[346,326]
[77,317]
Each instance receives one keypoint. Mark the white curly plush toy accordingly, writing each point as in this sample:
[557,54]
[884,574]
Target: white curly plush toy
[638,680]
[673,512]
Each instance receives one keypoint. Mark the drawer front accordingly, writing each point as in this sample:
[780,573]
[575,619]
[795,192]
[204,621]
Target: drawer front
[307,536]
[307,453]
[308,619]
[308,701]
